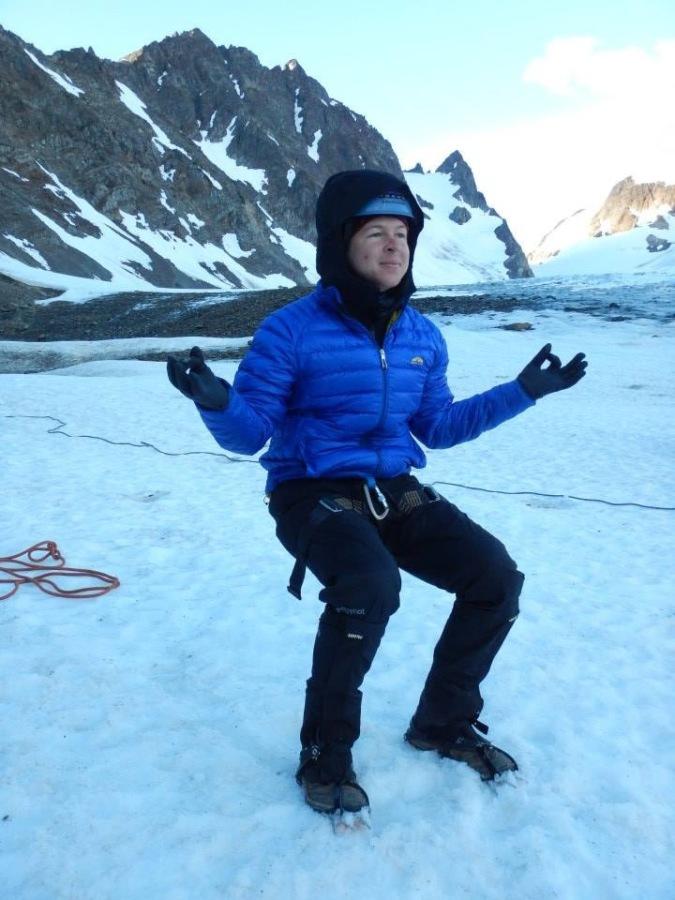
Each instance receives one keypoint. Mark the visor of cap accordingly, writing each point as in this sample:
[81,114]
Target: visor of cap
[387,205]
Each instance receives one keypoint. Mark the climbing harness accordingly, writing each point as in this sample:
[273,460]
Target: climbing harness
[327,506]
[44,566]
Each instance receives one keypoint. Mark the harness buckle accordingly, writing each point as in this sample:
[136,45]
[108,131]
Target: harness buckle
[330,504]
[431,493]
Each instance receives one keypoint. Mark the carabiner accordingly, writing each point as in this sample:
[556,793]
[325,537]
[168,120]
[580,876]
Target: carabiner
[381,499]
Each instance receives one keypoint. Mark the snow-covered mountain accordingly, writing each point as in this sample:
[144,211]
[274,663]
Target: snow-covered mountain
[633,231]
[466,252]
[188,165]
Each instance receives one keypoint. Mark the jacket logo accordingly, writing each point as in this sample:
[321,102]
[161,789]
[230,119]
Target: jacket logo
[417,361]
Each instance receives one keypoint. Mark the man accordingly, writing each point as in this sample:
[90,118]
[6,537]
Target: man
[346,381]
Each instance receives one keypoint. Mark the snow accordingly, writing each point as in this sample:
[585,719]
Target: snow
[216,151]
[150,736]
[158,145]
[231,245]
[161,78]
[165,203]
[28,354]
[313,148]
[195,221]
[15,174]
[167,175]
[213,181]
[297,112]
[112,249]
[569,231]
[262,209]
[62,80]
[290,177]
[578,246]
[622,253]
[302,251]
[646,216]
[135,105]
[28,248]
[75,289]
[116,249]
[448,253]
[195,259]
[81,290]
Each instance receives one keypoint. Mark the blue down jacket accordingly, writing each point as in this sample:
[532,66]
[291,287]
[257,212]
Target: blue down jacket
[336,405]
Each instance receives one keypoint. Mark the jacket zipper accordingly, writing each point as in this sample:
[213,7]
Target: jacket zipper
[384,367]
[385,387]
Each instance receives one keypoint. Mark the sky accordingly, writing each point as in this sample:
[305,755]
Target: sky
[550,104]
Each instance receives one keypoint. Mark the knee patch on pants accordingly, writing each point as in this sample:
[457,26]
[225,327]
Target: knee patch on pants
[368,596]
[504,598]
[512,586]
[497,590]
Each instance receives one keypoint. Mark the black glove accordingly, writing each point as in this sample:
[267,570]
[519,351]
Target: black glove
[538,382]
[193,378]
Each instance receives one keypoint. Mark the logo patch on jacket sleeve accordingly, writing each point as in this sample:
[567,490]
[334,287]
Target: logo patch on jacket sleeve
[417,361]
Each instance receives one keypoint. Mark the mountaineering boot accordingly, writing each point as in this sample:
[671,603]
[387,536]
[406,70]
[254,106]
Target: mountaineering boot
[327,789]
[461,741]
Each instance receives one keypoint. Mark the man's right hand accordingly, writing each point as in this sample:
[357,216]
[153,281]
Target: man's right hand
[193,378]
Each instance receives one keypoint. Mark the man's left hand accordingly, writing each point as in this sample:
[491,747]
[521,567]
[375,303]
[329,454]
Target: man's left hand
[538,380]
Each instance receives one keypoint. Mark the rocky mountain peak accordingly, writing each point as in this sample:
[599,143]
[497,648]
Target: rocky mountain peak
[77,55]
[451,162]
[187,165]
[460,174]
[628,202]
[190,49]
[195,39]
[632,230]
[132,57]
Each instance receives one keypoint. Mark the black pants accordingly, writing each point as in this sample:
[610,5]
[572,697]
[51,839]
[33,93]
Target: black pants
[357,560]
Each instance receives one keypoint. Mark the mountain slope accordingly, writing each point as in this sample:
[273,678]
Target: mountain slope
[633,231]
[185,165]
[458,242]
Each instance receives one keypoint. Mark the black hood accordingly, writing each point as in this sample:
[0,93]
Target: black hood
[343,195]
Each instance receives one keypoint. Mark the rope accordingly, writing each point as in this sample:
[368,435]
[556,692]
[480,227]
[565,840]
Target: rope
[42,565]
[142,444]
[235,459]
[471,487]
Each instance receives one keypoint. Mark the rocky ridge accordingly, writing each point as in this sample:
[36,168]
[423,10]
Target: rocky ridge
[184,165]
[647,207]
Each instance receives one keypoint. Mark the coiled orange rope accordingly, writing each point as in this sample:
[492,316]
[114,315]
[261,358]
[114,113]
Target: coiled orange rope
[43,565]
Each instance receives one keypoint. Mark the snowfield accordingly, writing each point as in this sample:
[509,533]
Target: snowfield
[623,253]
[149,736]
